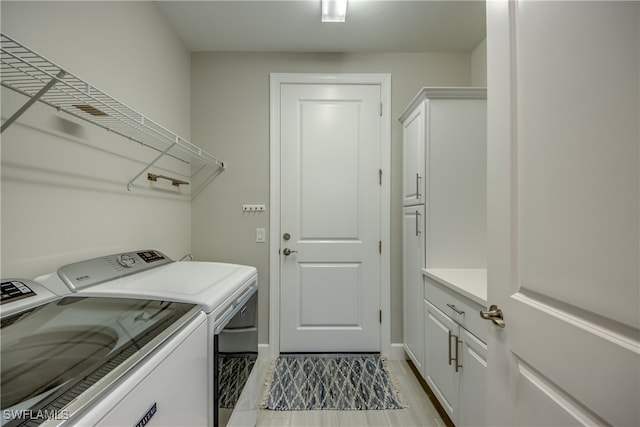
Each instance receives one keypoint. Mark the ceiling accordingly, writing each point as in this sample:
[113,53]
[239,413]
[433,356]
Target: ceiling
[294,26]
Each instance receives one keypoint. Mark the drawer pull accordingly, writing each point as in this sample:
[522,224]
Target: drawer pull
[418,178]
[454,308]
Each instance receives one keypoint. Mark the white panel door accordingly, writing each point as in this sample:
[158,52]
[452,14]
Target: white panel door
[413,156]
[330,208]
[413,289]
[563,206]
[441,334]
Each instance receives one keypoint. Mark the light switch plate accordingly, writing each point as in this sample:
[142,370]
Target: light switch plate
[260,235]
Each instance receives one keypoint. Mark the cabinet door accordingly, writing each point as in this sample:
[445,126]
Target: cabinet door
[413,290]
[440,347]
[473,380]
[413,155]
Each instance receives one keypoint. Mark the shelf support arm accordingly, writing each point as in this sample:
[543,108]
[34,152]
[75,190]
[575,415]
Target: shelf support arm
[130,183]
[32,100]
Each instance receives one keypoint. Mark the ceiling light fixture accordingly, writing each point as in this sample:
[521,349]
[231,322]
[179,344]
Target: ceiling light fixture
[334,10]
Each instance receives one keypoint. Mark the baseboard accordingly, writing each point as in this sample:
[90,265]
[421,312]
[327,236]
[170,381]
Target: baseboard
[397,352]
[263,352]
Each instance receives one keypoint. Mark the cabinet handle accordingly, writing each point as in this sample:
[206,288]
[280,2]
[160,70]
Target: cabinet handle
[458,342]
[418,223]
[454,308]
[457,357]
[418,178]
[451,359]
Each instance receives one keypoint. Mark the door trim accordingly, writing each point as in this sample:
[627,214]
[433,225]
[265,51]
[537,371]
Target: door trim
[276,81]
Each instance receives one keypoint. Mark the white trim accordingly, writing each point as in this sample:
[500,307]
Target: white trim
[397,352]
[263,352]
[276,80]
[444,93]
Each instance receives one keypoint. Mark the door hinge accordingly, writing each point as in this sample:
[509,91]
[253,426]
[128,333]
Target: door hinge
[380,246]
[380,316]
[381,109]
[380,176]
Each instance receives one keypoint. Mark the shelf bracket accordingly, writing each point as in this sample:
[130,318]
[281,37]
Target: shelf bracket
[32,100]
[174,181]
[130,183]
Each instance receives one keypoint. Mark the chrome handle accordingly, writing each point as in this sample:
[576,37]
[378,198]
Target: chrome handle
[458,342]
[451,358]
[457,358]
[418,178]
[418,223]
[495,315]
[454,308]
[287,251]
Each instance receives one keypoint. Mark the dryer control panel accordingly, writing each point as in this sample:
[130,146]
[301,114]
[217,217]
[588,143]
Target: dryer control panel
[91,272]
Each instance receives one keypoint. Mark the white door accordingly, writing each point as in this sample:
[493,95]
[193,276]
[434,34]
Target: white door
[413,289]
[439,372]
[330,210]
[414,157]
[563,203]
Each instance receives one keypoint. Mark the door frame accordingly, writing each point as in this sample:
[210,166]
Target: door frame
[276,81]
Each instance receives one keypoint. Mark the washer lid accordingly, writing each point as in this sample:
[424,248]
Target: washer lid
[56,352]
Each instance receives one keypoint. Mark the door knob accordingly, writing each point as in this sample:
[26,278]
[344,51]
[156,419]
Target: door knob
[494,314]
[287,251]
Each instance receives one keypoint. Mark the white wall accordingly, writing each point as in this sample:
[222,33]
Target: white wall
[230,117]
[64,194]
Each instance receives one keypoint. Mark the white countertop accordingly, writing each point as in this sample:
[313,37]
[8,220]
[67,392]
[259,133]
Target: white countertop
[470,282]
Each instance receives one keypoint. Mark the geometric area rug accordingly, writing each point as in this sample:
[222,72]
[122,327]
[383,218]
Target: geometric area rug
[330,381]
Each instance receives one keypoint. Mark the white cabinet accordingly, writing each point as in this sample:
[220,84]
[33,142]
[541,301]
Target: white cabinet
[455,359]
[413,262]
[444,231]
[439,373]
[413,155]
[473,380]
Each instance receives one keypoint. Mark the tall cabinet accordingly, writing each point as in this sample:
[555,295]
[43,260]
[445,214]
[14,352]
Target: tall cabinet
[414,125]
[444,244]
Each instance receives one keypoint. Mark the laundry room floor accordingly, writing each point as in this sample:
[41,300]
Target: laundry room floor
[420,412]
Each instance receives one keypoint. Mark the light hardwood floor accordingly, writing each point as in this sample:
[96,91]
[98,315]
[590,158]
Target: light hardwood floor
[419,413]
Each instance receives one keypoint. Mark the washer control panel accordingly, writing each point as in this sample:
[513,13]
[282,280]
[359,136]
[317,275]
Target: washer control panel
[90,272]
[14,290]
[19,295]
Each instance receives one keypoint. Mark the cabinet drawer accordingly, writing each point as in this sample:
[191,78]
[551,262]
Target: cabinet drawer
[461,309]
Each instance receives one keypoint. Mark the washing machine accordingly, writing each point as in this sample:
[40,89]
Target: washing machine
[227,296]
[71,360]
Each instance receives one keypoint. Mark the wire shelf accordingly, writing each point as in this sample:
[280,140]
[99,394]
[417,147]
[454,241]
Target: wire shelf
[34,76]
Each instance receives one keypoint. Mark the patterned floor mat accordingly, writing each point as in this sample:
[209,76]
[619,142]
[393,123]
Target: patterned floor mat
[233,371]
[338,382]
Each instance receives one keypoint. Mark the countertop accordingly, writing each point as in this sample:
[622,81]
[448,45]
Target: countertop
[470,282]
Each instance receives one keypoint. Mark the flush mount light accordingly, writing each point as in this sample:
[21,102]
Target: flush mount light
[334,10]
